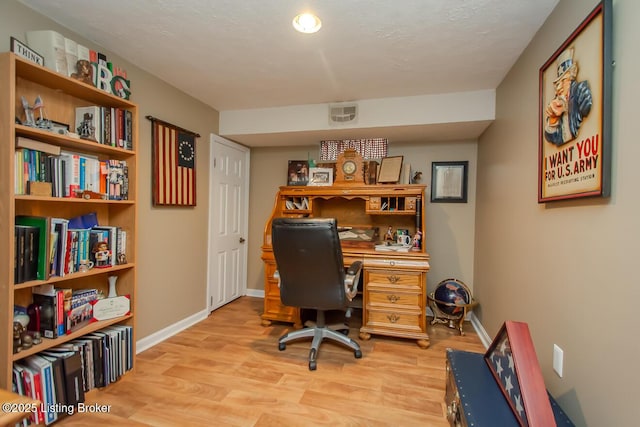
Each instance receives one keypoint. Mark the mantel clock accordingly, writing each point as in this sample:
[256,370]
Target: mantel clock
[349,168]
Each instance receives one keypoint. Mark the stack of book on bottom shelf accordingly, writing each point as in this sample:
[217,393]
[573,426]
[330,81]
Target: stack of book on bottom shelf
[60,376]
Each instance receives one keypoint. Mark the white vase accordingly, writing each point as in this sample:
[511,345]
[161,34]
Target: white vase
[112,286]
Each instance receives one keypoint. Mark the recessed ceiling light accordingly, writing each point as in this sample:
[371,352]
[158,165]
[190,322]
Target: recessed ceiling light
[307,23]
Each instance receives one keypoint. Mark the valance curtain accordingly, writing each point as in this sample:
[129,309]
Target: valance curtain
[374,148]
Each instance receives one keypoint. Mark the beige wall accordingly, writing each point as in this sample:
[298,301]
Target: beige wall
[450,226]
[172,255]
[567,268]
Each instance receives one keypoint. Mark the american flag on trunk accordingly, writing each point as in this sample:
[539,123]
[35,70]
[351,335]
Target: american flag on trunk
[174,165]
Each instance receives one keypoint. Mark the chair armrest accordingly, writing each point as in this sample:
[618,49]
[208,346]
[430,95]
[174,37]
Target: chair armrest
[352,279]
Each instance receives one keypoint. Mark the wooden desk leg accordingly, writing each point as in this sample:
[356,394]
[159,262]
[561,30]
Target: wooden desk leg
[266,322]
[423,343]
[365,336]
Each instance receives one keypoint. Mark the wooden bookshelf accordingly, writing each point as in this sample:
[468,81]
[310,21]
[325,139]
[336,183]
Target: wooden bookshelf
[61,96]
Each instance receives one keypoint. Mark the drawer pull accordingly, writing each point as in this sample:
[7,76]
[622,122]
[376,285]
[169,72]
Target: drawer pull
[393,298]
[393,279]
[393,318]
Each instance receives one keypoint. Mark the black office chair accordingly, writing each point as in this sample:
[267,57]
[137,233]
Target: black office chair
[312,276]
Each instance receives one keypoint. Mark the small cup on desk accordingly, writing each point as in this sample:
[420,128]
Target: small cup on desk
[404,239]
[85,265]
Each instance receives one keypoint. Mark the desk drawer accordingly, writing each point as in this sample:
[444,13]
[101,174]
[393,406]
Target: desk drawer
[393,298]
[394,278]
[401,320]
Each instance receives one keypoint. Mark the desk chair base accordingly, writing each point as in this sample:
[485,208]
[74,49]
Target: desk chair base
[318,334]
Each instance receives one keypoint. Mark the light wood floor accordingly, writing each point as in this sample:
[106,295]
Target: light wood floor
[227,371]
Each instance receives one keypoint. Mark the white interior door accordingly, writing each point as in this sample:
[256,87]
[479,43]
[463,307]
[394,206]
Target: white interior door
[228,221]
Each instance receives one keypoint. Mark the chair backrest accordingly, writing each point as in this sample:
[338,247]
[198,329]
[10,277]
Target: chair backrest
[309,260]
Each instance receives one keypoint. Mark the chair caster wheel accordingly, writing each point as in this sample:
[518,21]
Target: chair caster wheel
[281,346]
[357,354]
[312,366]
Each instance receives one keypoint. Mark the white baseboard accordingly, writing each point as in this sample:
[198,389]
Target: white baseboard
[157,337]
[258,293]
[482,334]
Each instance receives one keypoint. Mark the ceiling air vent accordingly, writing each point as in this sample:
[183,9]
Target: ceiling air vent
[342,114]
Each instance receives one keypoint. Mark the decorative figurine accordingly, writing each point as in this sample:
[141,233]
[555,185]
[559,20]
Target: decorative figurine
[29,119]
[388,237]
[102,254]
[86,130]
[417,241]
[84,73]
[41,122]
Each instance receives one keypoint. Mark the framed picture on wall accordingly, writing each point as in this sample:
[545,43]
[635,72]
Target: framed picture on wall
[449,182]
[574,130]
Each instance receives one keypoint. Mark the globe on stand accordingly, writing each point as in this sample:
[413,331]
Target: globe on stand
[450,303]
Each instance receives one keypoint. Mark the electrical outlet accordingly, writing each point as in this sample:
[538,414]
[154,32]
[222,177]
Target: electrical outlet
[558,356]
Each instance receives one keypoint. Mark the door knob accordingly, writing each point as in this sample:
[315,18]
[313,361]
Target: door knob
[242,240]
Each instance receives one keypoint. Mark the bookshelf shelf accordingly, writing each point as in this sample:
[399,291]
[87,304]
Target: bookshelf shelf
[70,143]
[45,199]
[61,97]
[75,276]
[48,343]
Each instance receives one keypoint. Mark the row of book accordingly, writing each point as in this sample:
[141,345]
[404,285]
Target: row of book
[49,246]
[106,125]
[69,173]
[56,312]
[60,376]
[61,54]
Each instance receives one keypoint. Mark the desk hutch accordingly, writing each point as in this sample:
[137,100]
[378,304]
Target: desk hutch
[394,288]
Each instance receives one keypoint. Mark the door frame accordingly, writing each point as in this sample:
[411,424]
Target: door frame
[215,141]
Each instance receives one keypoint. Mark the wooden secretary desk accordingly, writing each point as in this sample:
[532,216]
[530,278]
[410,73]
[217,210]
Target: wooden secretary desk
[394,286]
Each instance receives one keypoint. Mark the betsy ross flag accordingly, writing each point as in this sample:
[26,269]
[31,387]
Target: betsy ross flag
[174,164]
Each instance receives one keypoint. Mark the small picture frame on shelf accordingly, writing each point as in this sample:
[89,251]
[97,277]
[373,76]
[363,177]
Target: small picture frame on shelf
[298,172]
[59,128]
[449,182]
[320,176]
[390,168]
[23,51]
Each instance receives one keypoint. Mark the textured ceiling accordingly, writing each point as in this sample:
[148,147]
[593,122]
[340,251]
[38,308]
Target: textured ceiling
[243,54]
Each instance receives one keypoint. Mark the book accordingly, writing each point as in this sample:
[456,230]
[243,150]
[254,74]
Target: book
[60,226]
[43,367]
[32,144]
[88,361]
[71,55]
[83,53]
[32,389]
[117,188]
[71,173]
[88,123]
[26,253]
[48,312]
[98,359]
[57,368]
[44,225]
[51,45]
[72,367]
